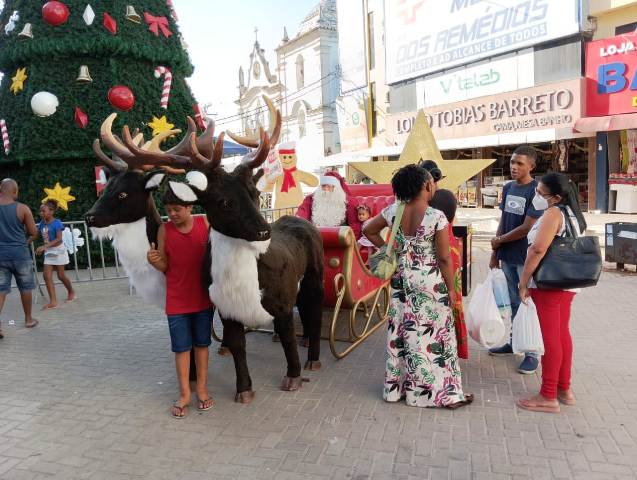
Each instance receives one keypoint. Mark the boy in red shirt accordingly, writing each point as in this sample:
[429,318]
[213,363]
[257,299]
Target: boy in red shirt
[182,243]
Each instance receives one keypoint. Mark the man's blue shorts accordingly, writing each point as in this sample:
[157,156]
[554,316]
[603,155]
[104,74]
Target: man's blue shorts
[188,329]
[22,270]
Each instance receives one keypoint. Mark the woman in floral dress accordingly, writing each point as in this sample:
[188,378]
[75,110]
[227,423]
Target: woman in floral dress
[422,359]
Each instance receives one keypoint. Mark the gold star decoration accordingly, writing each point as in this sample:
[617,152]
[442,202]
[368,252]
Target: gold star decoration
[421,145]
[18,80]
[160,125]
[61,195]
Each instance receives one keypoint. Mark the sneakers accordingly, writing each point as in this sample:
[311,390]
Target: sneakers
[503,350]
[528,365]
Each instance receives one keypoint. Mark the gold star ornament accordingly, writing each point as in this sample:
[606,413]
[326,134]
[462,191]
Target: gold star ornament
[160,125]
[59,194]
[421,145]
[18,80]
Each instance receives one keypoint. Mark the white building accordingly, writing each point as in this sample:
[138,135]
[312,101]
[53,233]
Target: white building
[304,86]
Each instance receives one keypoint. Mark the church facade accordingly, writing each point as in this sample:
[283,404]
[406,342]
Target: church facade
[303,84]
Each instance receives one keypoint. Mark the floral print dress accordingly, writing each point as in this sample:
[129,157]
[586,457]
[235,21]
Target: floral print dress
[422,359]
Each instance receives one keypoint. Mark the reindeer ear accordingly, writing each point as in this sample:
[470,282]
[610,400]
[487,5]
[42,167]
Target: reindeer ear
[183,191]
[153,180]
[197,180]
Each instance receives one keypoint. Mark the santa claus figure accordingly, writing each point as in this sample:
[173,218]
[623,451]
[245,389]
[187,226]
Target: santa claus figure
[331,205]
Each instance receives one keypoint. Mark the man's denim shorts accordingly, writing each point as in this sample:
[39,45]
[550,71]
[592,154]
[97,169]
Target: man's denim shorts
[22,270]
[188,329]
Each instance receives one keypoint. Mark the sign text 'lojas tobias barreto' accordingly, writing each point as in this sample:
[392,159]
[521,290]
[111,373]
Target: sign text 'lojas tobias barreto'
[552,106]
[611,76]
[425,36]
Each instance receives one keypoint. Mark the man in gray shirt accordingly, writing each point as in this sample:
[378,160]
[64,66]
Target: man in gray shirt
[17,230]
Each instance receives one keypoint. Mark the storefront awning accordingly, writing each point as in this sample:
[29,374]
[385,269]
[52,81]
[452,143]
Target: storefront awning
[608,123]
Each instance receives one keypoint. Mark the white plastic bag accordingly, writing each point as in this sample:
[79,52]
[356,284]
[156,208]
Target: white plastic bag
[527,335]
[485,324]
[501,292]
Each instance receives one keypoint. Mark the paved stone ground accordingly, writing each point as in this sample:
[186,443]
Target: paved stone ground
[86,395]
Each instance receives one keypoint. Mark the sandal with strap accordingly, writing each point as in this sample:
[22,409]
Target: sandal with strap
[532,406]
[178,411]
[566,400]
[205,404]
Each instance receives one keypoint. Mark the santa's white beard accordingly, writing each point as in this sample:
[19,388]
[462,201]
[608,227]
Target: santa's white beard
[329,208]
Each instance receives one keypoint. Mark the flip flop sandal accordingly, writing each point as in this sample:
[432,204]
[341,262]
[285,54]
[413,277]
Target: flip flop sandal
[534,407]
[181,409]
[33,325]
[468,400]
[565,400]
[201,404]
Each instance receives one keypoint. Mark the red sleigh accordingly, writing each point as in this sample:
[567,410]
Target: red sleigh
[357,298]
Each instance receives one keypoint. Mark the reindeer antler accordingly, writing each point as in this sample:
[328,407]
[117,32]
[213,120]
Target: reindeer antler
[129,153]
[253,141]
[206,154]
[116,164]
[154,146]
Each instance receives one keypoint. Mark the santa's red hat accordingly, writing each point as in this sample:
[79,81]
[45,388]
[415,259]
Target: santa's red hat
[327,179]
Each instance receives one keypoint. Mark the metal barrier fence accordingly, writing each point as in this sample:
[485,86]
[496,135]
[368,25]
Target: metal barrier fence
[103,269]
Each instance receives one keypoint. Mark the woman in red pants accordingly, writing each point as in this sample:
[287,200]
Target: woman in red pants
[553,306]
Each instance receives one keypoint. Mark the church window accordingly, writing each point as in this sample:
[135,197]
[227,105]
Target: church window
[300,72]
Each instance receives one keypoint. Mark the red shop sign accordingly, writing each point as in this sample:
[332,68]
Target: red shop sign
[611,76]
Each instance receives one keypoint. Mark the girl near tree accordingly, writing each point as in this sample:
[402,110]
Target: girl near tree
[55,254]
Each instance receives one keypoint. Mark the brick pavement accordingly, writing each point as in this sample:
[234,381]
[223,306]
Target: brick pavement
[86,395]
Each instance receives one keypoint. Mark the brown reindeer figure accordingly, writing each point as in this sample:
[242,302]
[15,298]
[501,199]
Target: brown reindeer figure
[259,271]
[125,211]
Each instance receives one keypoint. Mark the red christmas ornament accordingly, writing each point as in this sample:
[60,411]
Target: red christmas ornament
[81,118]
[55,13]
[121,97]
[110,23]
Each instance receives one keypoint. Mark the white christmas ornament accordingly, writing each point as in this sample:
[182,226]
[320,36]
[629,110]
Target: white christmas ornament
[44,104]
[89,15]
[11,24]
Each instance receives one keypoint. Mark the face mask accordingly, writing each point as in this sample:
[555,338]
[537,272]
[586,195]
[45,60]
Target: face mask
[540,203]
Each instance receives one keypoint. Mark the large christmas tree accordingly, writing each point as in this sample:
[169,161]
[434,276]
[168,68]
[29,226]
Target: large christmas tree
[67,65]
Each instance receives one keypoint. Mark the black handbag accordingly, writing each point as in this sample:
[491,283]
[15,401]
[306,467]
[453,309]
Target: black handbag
[570,261]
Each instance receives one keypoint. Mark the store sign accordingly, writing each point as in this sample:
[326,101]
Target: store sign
[549,106]
[352,121]
[504,74]
[611,76]
[426,36]
[351,44]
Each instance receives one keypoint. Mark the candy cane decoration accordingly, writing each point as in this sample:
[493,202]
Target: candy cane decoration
[5,136]
[168,80]
[198,116]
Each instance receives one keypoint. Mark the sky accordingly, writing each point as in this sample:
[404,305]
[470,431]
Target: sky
[220,36]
